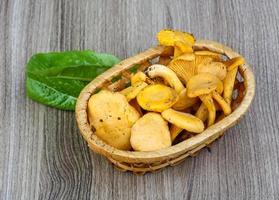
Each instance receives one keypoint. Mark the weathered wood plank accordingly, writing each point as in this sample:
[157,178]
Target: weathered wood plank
[42,155]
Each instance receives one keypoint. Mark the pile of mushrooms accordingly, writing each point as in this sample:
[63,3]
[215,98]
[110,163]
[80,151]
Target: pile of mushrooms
[174,97]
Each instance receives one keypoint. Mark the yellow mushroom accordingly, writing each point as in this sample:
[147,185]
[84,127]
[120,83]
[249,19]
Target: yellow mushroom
[157,97]
[208,102]
[213,55]
[112,117]
[202,60]
[202,85]
[234,63]
[184,101]
[132,91]
[216,68]
[232,66]
[150,133]
[224,105]
[202,112]
[183,120]
[184,66]
[181,47]
[138,77]
[167,74]
[169,37]
[208,86]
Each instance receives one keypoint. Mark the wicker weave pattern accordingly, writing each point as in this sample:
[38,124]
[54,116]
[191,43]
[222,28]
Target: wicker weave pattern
[141,162]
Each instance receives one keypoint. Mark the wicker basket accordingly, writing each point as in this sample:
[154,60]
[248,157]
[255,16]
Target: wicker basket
[141,162]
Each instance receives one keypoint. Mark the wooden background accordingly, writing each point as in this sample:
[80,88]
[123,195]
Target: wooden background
[43,156]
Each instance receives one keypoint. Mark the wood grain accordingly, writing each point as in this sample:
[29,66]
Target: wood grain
[42,155]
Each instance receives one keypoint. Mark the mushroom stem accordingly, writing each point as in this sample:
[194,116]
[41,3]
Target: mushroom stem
[232,66]
[224,105]
[208,101]
[202,112]
[167,74]
[228,85]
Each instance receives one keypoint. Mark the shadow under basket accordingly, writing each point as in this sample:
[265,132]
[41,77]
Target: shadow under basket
[142,162]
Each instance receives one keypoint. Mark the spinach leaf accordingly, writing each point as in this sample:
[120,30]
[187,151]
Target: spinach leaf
[56,79]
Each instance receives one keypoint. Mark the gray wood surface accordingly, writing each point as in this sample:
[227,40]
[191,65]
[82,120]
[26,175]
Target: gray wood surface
[43,156]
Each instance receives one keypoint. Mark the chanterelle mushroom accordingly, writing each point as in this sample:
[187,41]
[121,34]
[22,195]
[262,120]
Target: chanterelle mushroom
[184,66]
[112,117]
[213,55]
[184,120]
[206,86]
[202,85]
[157,97]
[232,67]
[169,37]
[216,68]
[168,75]
[181,41]
[150,133]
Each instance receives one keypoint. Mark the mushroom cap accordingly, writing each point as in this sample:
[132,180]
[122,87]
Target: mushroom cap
[169,37]
[181,47]
[203,83]
[183,120]
[202,60]
[150,133]
[112,117]
[216,68]
[157,97]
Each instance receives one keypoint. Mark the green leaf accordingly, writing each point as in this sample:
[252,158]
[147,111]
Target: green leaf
[134,68]
[56,79]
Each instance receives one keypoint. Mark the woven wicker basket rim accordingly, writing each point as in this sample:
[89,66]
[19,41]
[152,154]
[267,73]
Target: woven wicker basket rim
[180,148]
